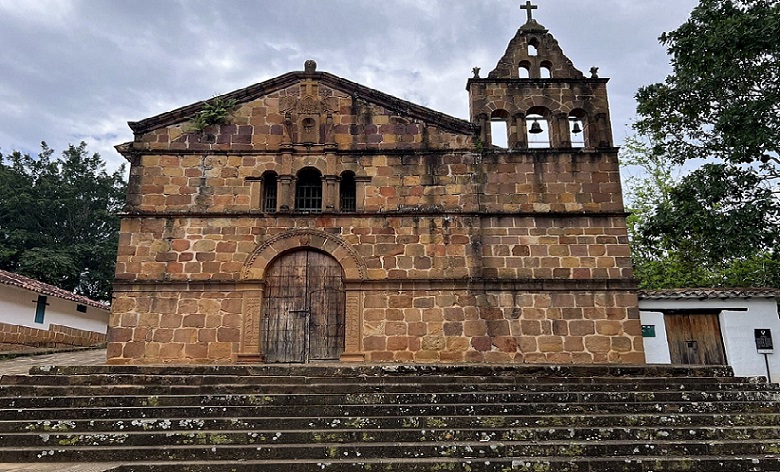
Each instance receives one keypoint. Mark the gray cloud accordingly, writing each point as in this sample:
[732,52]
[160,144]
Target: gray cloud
[76,70]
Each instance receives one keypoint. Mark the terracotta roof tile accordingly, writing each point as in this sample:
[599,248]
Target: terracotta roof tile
[16,280]
[709,293]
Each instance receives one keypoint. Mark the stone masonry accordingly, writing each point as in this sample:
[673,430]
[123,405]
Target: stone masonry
[450,249]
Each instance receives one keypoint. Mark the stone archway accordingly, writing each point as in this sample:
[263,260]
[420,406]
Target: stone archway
[257,268]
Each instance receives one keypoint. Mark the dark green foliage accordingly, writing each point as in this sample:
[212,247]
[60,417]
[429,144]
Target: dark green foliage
[58,219]
[723,97]
[718,227]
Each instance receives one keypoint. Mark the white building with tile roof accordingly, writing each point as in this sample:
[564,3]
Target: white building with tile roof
[34,304]
[736,327]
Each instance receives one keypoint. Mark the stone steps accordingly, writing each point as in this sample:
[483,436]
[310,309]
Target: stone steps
[432,418]
[347,399]
[653,421]
[177,436]
[57,376]
[325,450]
[415,372]
[32,389]
[618,464]
[97,412]
[247,389]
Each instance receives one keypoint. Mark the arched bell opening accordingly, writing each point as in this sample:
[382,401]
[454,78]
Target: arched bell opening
[533,47]
[499,128]
[578,129]
[538,126]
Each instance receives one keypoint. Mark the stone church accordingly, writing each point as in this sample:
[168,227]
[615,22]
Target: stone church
[324,221]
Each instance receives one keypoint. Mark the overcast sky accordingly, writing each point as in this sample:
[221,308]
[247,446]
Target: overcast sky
[79,70]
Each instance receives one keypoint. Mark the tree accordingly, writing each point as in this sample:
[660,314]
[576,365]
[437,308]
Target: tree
[59,219]
[718,226]
[649,187]
[722,99]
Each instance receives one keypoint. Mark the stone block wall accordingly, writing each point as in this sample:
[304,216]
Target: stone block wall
[408,247]
[358,124]
[521,325]
[20,338]
[176,323]
[542,181]
[443,288]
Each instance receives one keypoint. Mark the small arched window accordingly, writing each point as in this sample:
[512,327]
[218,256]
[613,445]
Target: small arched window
[308,191]
[270,180]
[545,70]
[524,70]
[348,192]
[533,51]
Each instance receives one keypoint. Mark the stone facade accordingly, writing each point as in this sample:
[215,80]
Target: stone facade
[450,249]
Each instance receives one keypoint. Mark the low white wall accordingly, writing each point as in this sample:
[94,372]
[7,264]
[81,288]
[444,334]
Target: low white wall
[17,306]
[657,348]
[737,328]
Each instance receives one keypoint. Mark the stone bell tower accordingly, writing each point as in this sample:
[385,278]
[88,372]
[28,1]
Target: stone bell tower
[562,188]
[543,99]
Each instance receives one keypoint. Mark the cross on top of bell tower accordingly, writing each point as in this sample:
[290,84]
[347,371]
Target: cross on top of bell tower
[529,8]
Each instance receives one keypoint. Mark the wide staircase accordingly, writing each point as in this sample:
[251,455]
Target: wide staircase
[392,418]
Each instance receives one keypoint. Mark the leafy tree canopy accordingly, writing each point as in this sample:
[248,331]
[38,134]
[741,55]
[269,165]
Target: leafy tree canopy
[58,218]
[722,99]
[718,226]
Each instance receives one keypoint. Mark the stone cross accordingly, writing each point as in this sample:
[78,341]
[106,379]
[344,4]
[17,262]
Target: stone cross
[529,7]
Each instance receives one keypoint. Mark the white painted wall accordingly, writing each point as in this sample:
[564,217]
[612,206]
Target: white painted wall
[737,328]
[657,348]
[17,306]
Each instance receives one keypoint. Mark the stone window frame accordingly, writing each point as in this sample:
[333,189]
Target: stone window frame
[348,192]
[309,195]
[269,202]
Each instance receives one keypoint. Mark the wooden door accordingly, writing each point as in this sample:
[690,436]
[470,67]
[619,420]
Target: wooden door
[304,309]
[695,339]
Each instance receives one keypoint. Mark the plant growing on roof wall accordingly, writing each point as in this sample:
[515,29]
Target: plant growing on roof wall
[214,112]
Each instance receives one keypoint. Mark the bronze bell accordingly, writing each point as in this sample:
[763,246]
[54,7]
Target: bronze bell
[536,128]
[576,129]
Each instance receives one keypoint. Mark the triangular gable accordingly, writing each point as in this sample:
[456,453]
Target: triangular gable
[547,54]
[253,92]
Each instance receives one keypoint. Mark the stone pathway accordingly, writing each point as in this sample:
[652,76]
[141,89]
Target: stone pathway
[21,365]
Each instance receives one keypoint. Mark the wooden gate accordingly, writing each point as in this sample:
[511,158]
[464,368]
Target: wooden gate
[695,339]
[304,308]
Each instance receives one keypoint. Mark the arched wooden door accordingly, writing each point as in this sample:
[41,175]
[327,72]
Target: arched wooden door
[304,308]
